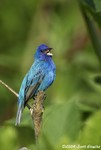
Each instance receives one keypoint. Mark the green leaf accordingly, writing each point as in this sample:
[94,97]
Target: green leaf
[12,138]
[61,122]
[97,5]
[91,133]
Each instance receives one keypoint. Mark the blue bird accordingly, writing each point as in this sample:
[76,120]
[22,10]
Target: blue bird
[43,69]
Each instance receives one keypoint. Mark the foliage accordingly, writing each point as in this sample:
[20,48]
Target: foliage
[72,113]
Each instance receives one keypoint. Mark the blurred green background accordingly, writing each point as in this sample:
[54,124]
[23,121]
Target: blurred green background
[72,113]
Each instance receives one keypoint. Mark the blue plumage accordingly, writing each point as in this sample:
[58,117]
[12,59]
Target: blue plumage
[43,69]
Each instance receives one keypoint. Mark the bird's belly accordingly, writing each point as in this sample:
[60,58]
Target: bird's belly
[47,81]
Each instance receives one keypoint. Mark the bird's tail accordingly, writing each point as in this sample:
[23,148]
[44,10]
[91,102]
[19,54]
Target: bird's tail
[19,113]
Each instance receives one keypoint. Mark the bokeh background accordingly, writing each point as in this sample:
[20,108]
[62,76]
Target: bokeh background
[72,113]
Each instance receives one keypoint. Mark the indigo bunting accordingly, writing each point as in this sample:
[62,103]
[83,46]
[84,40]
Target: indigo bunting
[43,69]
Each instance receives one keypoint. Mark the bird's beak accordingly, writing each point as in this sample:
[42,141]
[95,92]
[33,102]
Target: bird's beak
[48,52]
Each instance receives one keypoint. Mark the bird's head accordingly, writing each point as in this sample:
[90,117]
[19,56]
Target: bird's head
[43,51]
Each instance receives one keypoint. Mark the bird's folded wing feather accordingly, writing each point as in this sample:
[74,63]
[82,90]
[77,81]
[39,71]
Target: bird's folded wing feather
[32,89]
[33,80]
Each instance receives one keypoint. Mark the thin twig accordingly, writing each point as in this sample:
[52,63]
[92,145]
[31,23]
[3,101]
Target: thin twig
[9,88]
[15,93]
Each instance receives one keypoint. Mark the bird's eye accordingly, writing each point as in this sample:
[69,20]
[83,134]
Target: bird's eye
[42,51]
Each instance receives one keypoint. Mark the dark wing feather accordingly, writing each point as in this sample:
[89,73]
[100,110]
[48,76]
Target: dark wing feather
[32,86]
[33,89]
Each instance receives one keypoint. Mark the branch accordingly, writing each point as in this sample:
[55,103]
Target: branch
[15,93]
[37,113]
[9,88]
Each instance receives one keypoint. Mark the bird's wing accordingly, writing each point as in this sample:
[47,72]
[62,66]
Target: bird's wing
[33,86]
[33,80]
